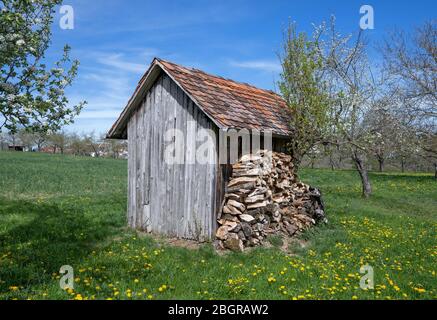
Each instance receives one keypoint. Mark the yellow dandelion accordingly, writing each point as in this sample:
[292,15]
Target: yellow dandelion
[271,279]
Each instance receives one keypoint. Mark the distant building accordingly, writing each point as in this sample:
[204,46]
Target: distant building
[16,148]
[49,149]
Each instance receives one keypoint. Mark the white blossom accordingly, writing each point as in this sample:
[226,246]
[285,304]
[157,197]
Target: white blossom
[7,87]
[58,71]
[11,97]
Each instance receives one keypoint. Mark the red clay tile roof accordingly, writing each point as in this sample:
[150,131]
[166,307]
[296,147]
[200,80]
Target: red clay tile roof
[233,104]
[230,104]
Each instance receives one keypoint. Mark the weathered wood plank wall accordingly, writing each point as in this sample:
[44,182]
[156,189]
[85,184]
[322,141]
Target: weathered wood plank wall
[176,200]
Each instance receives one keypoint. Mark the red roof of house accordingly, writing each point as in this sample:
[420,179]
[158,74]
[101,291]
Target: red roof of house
[228,103]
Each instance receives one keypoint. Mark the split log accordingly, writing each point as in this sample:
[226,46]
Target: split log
[264,196]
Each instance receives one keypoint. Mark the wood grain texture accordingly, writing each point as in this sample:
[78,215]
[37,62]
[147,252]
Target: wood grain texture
[171,199]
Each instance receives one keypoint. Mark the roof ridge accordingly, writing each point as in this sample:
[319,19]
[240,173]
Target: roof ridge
[217,76]
[226,102]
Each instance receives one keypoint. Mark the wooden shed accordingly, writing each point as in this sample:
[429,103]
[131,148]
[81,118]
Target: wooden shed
[182,200]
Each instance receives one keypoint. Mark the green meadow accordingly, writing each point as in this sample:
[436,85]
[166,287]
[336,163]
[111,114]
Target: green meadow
[63,210]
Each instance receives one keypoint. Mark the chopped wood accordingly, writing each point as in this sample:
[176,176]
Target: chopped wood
[253,199]
[247,218]
[222,233]
[237,205]
[241,180]
[264,196]
[258,205]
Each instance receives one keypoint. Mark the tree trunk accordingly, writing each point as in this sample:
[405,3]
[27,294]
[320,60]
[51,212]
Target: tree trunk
[362,170]
[331,162]
[435,170]
[402,165]
[381,165]
[96,151]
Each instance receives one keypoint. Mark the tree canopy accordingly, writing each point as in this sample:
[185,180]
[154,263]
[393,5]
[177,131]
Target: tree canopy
[32,94]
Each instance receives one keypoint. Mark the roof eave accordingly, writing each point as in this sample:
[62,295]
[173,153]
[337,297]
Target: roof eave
[118,130]
[156,68]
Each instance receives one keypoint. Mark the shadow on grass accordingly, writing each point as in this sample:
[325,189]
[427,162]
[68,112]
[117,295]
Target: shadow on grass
[40,238]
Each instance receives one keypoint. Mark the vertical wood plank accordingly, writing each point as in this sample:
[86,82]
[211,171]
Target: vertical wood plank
[132,170]
[178,199]
[146,159]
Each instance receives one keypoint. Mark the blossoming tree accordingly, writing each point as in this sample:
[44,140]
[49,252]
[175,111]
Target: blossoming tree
[32,95]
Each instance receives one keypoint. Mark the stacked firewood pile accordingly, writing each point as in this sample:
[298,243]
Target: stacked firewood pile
[264,197]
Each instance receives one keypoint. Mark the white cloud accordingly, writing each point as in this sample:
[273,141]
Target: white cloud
[106,86]
[116,61]
[100,114]
[106,82]
[261,65]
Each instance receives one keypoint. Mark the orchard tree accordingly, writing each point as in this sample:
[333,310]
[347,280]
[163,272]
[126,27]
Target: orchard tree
[117,147]
[77,145]
[328,85]
[39,139]
[92,143]
[429,149]
[58,140]
[32,95]
[353,91]
[391,133]
[407,146]
[335,154]
[412,59]
[26,138]
[304,88]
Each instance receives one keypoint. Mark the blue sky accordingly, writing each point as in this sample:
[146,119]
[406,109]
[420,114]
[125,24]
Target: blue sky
[115,41]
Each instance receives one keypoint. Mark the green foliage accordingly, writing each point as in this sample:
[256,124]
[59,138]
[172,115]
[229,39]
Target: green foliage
[57,210]
[305,91]
[32,95]
[275,240]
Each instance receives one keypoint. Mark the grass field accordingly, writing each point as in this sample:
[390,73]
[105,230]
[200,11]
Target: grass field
[61,210]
